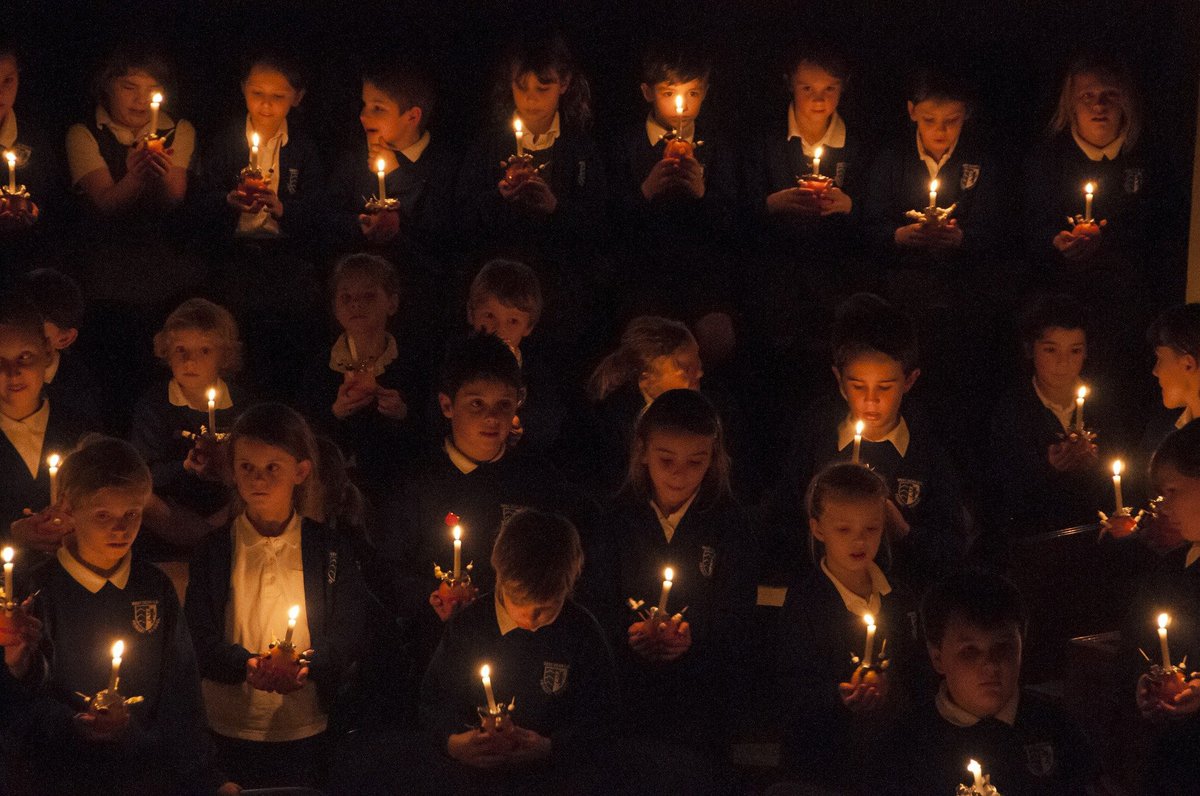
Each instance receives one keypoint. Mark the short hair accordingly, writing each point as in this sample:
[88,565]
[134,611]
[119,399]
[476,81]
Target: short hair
[102,463]
[824,56]
[1178,329]
[479,357]
[681,411]
[57,297]
[676,62]
[19,312]
[512,283]
[646,338]
[10,49]
[933,84]
[283,63]
[376,268]
[867,324]
[979,597]
[845,482]
[1054,311]
[407,84]
[130,58]
[205,316]
[546,54]
[540,553]
[1181,450]
[282,427]
[1108,69]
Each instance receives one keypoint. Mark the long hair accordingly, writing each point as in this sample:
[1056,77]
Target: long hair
[646,338]
[1115,73]
[687,412]
[547,56]
[282,427]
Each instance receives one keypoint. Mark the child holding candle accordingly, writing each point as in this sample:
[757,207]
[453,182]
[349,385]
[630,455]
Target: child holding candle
[1175,336]
[270,725]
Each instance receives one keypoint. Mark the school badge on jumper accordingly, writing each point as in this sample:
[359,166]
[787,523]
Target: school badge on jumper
[293,180]
[331,568]
[839,173]
[554,677]
[908,492]
[581,174]
[1133,180]
[1039,759]
[145,616]
[970,174]
[708,558]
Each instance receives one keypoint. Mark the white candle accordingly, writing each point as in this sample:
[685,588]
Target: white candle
[976,771]
[1116,467]
[11,157]
[858,432]
[933,186]
[254,142]
[870,650]
[155,102]
[1080,395]
[118,650]
[668,576]
[679,112]
[817,160]
[10,599]
[1163,621]
[212,410]
[381,172]
[457,550]
[52,462]
[519,132]
[1088,191]
[486,674]
[293,615]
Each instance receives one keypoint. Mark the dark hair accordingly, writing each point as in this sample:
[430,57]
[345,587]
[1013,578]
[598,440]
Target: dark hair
[939,86]
[1181,450]
[370,265]
[539,553]
[1055,311]
[131,58]
[406,84]
[681,411]
[979,597]
[55,295]
[866,324]
[676,62]
[646,338]
[843,481]
[512,283]
[9,49]
[276,61]
[547,55]
[824,56]
[102,463]
[479,357]
[282,427]
[19,312]
[1178,329]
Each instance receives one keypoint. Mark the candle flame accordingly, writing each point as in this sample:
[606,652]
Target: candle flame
[1117,467]
[7,555]
[679,106]
[457,532]
[212,393]
[294,613]
[818,152]
[1081,393]
[974,767]
[156,99]
[858,428]
[1163,621]
[485,671]
[1089,188]
[254,139]
[53,460]
[933,185]
[869,619]
[380,165]
[518,128]
[11,157]
[668,574]
[118,649]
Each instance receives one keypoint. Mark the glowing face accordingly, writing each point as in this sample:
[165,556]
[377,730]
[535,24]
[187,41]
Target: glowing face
[10,81]
[481,415]
[194,357]
[1058,357]
[1097,113]
[528,614]
[874,385]
[1181,501]
[385,122]
[23,360]
[129,98]
[510,324]
[106,524]
[667,99]
[982,666]
[939,123]
[851,532]
[266,476]
[815,96]
[682,370]
[362,306]
[1178,377]
[269,96]
[536,100]
[676,462]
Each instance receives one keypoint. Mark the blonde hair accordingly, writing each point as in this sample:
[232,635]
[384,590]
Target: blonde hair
[1111,72]
[646,338]
[204,316]
[513,284]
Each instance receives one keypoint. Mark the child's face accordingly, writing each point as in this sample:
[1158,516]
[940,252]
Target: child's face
[384,121]
[536,100]
[682,370]
[677,463]
[266,476]
[528,614]
[59,337]
[195,359]
[269,97]
[1097,109]
[664,97]
[1181,501]
[481,415]
[939,123]
[1058,357]
[23,360]
[510,324]
[362,306]
[1178,376]
[815,95]
[10,80]
[982,666]
[106,523]
[851,531]
[129,98]
[874,385]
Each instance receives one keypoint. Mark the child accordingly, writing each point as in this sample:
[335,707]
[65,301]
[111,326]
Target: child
[89,596]
[1043,477]
[834,727]
[1175,337]
[543,651]
[270,725]
[677,511]
[199,343]
[974,625]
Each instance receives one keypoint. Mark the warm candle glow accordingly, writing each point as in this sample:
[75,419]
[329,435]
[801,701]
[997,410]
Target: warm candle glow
[819,152]
[933,186]
[53,460]
[858,428]
[1089,188]
[485,672]
[11,157]
[518,128]
[870,620]
[212,394]
[293,614]
[254,139]
[679,104]
[668,574]
[457,532]
[118,650]
[380,165]
[1117,465]
[7,555]
[974,767]
[156,99]
[1163,621]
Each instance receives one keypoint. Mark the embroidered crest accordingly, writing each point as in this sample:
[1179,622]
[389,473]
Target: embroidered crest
[708,557]
[581,175]
[507,510]
[970,173]
[145,616]
[1039,759]
[908,492]
[331,568]
[554,677]
[293,180]
[1133,180]
[839,173]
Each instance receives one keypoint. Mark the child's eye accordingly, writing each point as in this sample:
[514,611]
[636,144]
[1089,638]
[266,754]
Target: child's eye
[273,467]
[102,516]
[476,404]
[206,351]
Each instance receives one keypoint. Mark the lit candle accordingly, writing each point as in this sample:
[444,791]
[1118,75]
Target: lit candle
[155,102]
[1163,621]
[977,772]
[1088,191]
[10,599]
[679,112]
[11,157]
[870,620]
[1117,466]
[212,410]
[457,550]
[817,160]
[933,186]
[118,650]
[668,576]
[519,131]
[293,615]
[858,432]
[254,141]
[486,674]
[52,462]
[381,172]
[1080,395]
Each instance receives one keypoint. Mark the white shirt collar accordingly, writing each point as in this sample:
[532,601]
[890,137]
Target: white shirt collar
[934,166]
[834,138]
[8,130]
[853,602]
[1109,152]
[275,142]
[536,143]
[127,135]
[655,131]
[245,534]
[1192,554]
[344,360]
[1184,418]
[414,151]
[89,579]
[464,463]
[505,621]
[28,436]
[962,718]
[670,522]
[898,436]
[177,398]
[1065,414]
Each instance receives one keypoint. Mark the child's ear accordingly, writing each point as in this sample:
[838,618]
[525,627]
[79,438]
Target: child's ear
[648,92]
[303,471]
[564,84]
[413,116]
[912,111]
[447,405]
[910,379]
[935,658]
[814,528]
[299,97]
[62,338]
[1188,362]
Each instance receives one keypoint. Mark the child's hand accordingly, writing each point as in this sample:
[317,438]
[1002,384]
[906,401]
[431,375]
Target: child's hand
[793,201]
[529,745]
[861,698]
[206,459]
[43,531]
[155,164]
[1184,703]
[256,676]
[103,725]
[137,163]
[479,748]
[243,202]
[391,404]
[19,656]
[381,227]
[835,200]
[20,219]
[350,400]
[691,175]
[535,195]
[446,609]
[268,200]
[913,236]
[674,641]
[1072,455]
[282,682]
[896,521]
[1077,248]
[944,236]
[664,176]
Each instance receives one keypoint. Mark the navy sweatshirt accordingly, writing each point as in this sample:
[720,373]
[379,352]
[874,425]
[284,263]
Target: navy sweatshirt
[75,386]
[64,428]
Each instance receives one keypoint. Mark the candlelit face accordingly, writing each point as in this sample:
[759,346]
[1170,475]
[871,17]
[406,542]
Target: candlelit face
[529,614]
[129,98]
[982,666]
[10,80]
[267,476]
[194,357]
[106,524]
[1178,377]
[663,97]
[481,415]
[874,385]
[269,96]
[1098,114]
[939,123]
[1058,357]
[682,370]
[509,323]
[1180,500]
[676,463]
[851,531]
[536,98]
[815,96]
[23,359]
[385,122]
[362,306]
